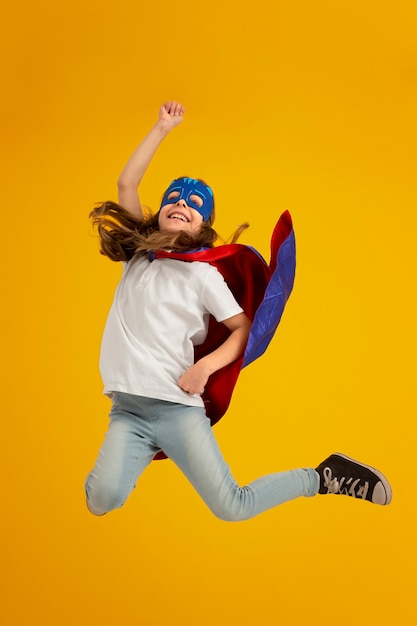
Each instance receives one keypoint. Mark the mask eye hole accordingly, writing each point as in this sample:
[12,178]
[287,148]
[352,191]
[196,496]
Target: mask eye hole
[197,200]
[173,195]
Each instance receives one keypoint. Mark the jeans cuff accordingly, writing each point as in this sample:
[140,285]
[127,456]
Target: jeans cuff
[314,482]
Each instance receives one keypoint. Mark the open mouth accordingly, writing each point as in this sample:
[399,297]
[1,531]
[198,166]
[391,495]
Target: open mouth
[178,216]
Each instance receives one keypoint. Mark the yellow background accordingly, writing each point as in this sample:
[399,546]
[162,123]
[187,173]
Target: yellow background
[305,106]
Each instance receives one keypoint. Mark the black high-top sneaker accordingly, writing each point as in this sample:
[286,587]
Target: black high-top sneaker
[342,475]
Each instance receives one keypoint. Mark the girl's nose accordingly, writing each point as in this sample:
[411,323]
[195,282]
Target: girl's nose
[181,203]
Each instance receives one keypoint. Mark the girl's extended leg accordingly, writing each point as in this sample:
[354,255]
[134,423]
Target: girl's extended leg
[186,436]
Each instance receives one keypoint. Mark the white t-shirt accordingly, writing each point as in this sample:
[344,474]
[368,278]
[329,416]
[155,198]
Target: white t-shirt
[160,312]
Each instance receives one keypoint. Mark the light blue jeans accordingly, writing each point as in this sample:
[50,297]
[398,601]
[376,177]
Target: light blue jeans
[141,427]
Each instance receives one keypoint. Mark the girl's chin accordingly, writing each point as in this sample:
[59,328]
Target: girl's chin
[175,228]
[172,231]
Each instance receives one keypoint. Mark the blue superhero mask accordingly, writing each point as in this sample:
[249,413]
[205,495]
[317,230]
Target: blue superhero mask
[188,187]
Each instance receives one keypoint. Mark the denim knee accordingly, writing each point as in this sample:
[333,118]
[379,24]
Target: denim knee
[102,499]
[227,515]
[237,506]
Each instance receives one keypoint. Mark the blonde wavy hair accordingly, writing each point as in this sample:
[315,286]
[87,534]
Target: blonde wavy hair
[123,236]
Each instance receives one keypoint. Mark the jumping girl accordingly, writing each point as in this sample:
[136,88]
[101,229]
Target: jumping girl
[159,316]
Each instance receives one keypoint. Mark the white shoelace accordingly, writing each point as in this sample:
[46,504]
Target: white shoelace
[344,486]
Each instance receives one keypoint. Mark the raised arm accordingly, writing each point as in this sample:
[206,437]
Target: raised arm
[170,115]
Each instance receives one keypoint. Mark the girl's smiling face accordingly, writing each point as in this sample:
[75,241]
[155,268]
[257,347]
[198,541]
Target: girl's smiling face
[177,215]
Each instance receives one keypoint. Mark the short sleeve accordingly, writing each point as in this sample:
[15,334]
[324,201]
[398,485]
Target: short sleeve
[217,297]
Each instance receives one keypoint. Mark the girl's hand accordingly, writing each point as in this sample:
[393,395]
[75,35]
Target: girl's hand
[195,378]
[171,114]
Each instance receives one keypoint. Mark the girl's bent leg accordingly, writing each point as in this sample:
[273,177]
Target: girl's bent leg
[189,441]
[123,457]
